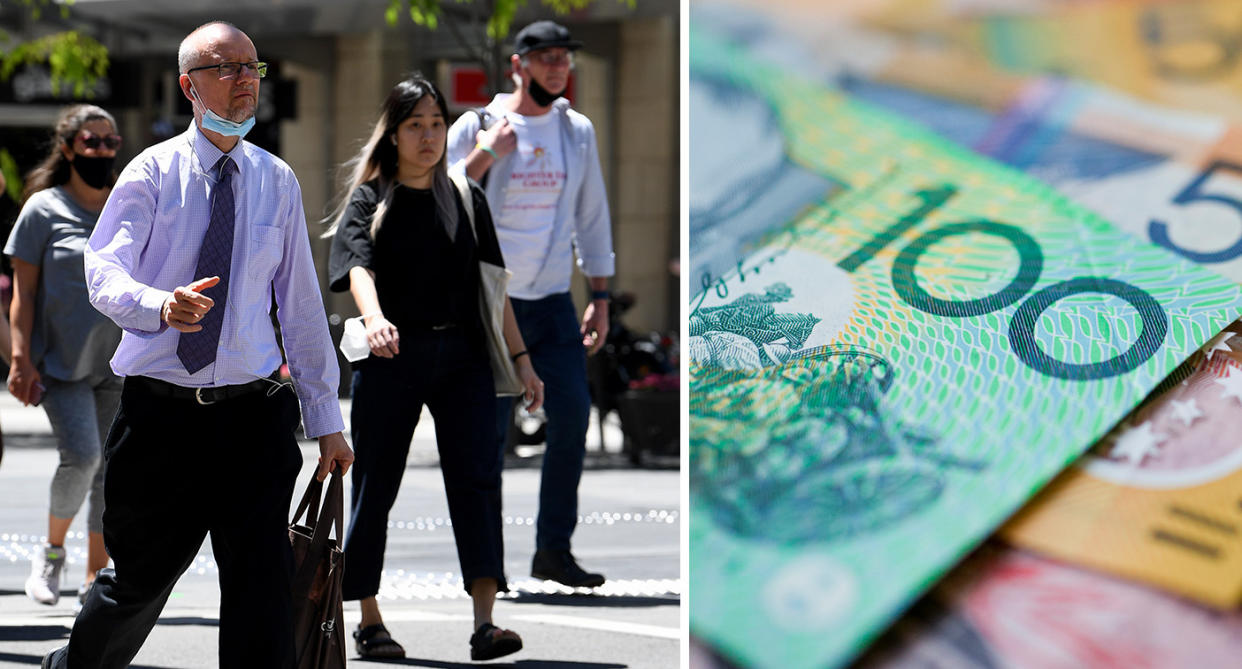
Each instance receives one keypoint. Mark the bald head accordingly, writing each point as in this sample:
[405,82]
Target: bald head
[197,42]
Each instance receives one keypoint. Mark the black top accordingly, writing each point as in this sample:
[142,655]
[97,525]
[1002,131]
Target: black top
[423,279]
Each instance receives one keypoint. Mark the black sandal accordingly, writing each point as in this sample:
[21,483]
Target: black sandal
[369,647]
[484,645]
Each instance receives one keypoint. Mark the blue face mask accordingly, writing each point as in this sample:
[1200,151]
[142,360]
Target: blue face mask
[218,124]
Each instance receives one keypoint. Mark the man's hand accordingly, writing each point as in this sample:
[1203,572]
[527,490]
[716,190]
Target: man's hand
[499,138]
[531,384]
[187,305]
[595,325]
[333,451]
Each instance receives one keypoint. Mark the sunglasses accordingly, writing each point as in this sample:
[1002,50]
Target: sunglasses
[92,141]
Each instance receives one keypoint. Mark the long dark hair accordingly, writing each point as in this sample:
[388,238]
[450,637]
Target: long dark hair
[378,158]
[55,170]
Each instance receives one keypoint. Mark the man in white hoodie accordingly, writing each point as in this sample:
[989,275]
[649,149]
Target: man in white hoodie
[539,165]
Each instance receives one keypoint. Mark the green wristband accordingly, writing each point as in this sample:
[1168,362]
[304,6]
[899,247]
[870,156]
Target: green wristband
[487,149]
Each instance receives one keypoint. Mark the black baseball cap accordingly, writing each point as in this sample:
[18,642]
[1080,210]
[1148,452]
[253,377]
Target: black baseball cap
[544,35]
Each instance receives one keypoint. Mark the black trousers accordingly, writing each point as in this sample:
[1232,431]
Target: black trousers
[447,371]
[178,471]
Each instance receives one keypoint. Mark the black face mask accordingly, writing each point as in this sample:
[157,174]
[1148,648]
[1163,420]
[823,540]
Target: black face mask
[540,95]
[94,171]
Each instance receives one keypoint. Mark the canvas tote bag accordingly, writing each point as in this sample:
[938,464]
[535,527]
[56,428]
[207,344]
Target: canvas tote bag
[494,286]
[318,624]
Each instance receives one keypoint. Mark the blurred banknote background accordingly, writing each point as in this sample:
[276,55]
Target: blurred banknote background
[965,378]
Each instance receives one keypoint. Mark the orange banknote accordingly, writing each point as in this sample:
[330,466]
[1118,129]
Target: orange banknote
[1160,498]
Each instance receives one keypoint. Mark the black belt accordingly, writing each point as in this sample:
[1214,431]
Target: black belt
[209,395]
[427,327]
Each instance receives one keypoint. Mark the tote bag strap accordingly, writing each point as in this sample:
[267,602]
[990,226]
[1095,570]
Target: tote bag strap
[334,507]
[329,518]
[309,503]
[467,199]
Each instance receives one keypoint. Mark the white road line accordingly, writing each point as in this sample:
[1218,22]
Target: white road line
[411,616]
[208,615]
[602,625]
[398,615]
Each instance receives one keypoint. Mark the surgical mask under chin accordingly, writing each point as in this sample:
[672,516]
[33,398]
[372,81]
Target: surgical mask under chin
[218,124]
[541,95]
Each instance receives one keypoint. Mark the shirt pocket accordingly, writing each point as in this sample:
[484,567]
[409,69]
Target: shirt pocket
[267,243]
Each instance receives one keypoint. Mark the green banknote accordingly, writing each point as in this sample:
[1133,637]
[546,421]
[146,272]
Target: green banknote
[894,344]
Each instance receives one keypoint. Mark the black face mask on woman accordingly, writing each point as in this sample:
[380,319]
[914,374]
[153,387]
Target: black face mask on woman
[94,171]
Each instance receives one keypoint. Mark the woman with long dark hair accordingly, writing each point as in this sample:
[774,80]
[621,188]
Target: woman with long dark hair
[60,344]
[406,250]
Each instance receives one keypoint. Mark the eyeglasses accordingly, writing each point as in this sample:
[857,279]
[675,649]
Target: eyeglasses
[231,70]
[92,141]
[551,58]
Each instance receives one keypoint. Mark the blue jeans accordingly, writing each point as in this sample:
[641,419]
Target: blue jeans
[550,329]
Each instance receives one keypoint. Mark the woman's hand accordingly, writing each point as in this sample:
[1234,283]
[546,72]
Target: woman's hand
[22,378]
[382,336]
[530,382]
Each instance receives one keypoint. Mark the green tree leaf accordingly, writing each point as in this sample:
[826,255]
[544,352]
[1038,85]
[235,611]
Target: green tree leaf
[12,177]
[73,58]
[499,21]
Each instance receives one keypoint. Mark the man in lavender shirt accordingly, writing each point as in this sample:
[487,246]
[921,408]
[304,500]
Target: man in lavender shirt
[198,235]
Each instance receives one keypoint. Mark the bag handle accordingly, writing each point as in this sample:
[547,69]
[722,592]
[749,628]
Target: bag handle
[467,200]
[310,502]
[334,507]
[329,517]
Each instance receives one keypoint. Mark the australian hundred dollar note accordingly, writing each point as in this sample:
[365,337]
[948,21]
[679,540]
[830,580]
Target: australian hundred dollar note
[894,343]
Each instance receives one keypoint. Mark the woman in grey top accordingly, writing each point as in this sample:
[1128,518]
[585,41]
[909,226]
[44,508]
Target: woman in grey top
[60,344]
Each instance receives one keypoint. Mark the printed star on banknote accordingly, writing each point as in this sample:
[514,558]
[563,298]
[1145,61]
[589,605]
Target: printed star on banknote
[1170,518]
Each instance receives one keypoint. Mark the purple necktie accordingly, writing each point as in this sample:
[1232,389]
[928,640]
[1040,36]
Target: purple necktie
[198,349]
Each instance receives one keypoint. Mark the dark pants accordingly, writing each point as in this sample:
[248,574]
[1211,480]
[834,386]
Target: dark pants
[551,331]
[177,471]
[448,372]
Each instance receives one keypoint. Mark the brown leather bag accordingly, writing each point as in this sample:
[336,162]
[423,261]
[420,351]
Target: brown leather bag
[318,623]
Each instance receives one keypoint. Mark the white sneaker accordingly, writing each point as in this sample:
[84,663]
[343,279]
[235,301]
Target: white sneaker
[43,586]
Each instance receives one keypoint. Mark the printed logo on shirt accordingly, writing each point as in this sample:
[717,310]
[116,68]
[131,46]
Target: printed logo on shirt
[538,173]
[536,178]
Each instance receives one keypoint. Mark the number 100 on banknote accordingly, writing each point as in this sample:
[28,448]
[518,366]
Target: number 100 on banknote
[894,343]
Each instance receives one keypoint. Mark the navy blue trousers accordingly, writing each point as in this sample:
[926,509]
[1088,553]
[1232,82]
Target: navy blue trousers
[449,373]
[551,331]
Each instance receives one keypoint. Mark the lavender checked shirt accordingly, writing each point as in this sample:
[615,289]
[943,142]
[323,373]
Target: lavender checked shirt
[146,244]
